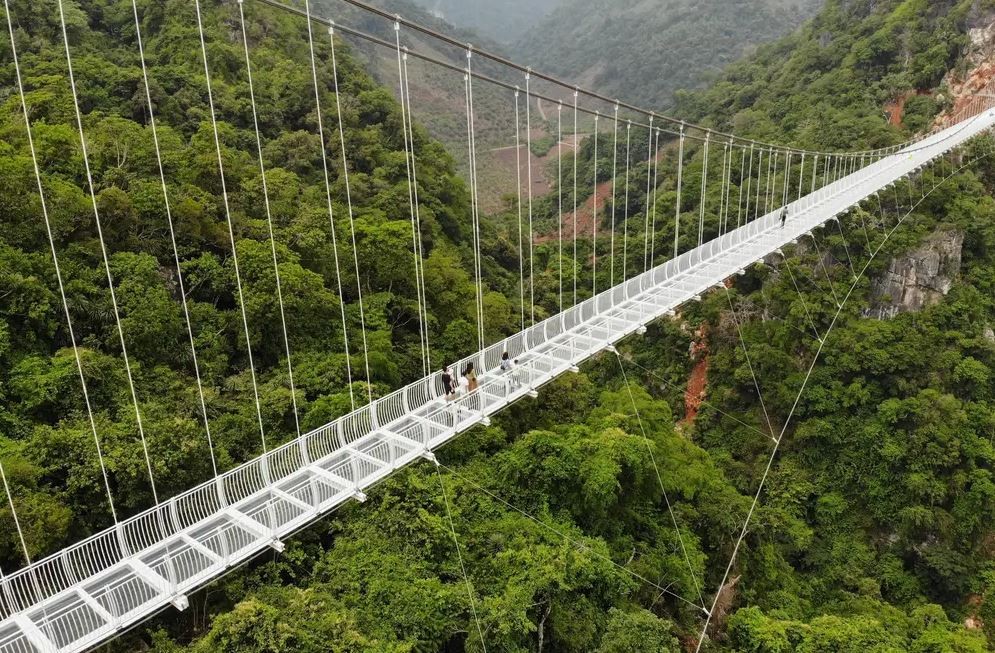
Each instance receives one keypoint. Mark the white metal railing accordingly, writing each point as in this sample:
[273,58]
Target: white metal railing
[85,593]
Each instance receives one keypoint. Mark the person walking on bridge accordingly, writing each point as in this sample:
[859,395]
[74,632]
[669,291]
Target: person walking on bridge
[448,387]
[784,217]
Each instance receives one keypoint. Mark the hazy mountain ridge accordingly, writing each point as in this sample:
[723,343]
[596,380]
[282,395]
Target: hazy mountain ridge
[644,50]
[505,21]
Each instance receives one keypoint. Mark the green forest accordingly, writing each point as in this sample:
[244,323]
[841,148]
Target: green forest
[875,530]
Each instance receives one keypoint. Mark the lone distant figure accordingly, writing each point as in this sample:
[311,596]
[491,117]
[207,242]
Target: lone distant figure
[784,217]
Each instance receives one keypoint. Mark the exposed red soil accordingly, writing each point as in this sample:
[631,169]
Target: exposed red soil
[896,108]
[698,381]
[584,218]
[964,92]
[585,212]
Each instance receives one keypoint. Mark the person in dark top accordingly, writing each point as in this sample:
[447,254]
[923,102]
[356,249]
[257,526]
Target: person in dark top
[447,383]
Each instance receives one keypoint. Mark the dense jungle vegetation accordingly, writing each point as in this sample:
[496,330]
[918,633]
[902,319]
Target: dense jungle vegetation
[875,530]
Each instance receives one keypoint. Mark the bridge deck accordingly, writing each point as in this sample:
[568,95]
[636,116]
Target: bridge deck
[86,594]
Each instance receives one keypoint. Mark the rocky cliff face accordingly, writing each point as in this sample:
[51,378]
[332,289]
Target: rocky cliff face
[919,278]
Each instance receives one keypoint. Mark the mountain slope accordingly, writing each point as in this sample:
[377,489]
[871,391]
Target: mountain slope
[504,21]
[644,50]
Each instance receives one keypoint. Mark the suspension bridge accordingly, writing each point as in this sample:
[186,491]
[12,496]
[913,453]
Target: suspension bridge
[90,592]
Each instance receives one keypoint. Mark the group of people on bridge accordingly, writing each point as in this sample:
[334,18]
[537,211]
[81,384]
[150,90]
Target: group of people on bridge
[468,381]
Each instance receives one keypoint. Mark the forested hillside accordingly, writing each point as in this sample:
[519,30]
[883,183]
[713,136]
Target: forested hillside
[874,533]
[45,439]
[645,50]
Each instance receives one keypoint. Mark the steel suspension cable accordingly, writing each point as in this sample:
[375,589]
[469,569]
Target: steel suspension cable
[27,555]
[475,203]
[521,236]
[704,190]
[559,197]
[801,178]
[234,248]
[656,187]
[459,555]
[749,187]
[503,61]
[352,224]
[58,274]
[269,223]
[625,208]
[722,189]
[680,183]
[771,187]
[407,124]
[794,282]
[659,478]
[728,208]
[822,264]
[611,249]
[749,361]
[787,180]
[104,255]
[576,147]
[594,263]
[528,161]
[649,179]
[846,246]
[756,203]
[328,200]
[181,283]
